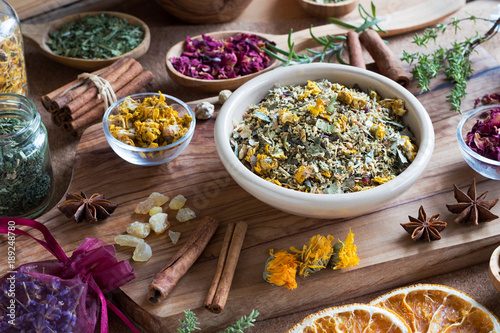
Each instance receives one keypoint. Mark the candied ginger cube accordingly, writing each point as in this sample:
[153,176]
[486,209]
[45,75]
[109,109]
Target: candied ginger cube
[155,210]
[177,202]
[159,223]
[128,240]
[139,229]
[155,199]
[174,236]
[185,214]
[142,252]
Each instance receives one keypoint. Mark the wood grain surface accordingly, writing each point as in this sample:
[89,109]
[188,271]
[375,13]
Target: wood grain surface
[388,256]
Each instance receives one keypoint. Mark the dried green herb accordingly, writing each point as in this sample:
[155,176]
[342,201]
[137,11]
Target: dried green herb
[24,183]
[333,46]
[100,36]
[454,60]
[191,321]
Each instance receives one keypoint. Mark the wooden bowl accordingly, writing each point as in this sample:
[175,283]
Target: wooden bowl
[203,12]
[39,35]
[328,9]
[495,268]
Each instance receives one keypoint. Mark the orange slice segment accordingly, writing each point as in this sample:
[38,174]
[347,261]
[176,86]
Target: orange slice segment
[352,318]
[430,308]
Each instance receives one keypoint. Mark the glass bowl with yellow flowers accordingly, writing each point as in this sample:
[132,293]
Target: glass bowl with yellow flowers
[149,128]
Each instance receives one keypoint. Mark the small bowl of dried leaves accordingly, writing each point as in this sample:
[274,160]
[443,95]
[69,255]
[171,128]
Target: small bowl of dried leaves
[324,140]
[149,128]
[495,268]
[478,136]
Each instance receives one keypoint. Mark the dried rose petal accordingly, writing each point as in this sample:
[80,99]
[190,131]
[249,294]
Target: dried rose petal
[484,137]
[211,59]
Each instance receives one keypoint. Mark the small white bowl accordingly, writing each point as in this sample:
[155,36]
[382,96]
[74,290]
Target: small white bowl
[484,166]
[323,205]
[150,156]
[495,268]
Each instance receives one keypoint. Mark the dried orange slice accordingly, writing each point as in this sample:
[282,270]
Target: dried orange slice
[439,309]
[352,318]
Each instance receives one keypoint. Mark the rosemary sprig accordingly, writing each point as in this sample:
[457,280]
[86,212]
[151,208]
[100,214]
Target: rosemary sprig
[453,61]
[333,46]
[191,321]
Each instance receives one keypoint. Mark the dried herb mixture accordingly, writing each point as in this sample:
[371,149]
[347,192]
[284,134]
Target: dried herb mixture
[324,138]
[13,77]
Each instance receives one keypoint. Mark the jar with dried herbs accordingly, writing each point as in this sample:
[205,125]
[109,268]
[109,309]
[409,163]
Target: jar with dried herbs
[13,78]
[26,184]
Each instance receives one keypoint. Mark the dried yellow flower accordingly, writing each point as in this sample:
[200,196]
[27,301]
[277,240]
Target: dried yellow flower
[345,253]
[316,255]
[281,269]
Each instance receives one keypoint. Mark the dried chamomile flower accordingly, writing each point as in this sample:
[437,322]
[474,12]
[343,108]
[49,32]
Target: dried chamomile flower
[204,110]
[174,236]
[142,252]
[155,210]
[159,223]
[345,255]
[224,95]
[128,240]
[281,269]
[185,214]
[177,202]
[155,199]
[316,255]
[139,229]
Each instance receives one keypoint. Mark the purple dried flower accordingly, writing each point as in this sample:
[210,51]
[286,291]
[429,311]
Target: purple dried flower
[211,59]
[484,137]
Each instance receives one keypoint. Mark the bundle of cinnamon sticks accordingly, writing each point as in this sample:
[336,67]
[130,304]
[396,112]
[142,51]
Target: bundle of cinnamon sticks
[77,105]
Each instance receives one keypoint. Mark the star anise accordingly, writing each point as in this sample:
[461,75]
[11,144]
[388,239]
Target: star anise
[423,228]
[471,208]
[79,207]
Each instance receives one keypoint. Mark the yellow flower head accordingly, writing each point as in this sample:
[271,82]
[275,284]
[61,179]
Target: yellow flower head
[345,253]
[316,255]
[281,269]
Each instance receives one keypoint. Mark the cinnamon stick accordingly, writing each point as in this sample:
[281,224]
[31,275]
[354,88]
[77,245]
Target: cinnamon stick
[117,79]
[96,113]
[356,57]
[386,61]
[226,266]
[178,265]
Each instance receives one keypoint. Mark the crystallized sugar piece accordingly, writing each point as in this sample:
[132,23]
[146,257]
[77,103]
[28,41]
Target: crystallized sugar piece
[177,202]
[185,214]
[155,210]
[159,223]
[128,240]
[155,199]
[142,252]
[174,236]
[139,229]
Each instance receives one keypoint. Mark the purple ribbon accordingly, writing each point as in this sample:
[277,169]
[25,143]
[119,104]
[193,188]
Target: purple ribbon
[94,260]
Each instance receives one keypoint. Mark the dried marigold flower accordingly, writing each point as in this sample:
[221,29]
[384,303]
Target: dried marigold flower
[281,269]
[316,255]
[345,253]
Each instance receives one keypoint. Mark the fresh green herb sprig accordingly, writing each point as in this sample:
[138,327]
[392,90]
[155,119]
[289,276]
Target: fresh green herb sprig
[191,321]
[333,46]
[453,61]
[100,36]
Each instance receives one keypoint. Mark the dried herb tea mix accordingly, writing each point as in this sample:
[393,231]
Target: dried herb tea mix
[324,138]
[99,36]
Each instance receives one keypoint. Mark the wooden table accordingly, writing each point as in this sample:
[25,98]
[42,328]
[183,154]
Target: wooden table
[259,16]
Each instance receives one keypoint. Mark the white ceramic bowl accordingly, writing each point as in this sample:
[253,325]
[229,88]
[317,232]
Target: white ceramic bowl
[323,205]
[150,156]
[495,268]
[484,166]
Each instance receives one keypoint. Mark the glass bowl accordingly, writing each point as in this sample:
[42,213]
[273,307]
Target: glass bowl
[150,156]
[484,166]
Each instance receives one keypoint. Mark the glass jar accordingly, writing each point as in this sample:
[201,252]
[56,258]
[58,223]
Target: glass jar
[13,78]
[26,182]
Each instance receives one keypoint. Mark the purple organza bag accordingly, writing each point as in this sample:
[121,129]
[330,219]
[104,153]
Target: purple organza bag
[65,295]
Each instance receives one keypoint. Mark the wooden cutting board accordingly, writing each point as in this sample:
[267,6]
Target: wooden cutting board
[389,257]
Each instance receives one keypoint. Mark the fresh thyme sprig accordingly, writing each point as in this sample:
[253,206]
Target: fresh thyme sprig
[191,321]
[333,46]
[454,61]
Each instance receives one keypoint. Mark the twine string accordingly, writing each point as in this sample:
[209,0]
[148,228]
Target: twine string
[103,86]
